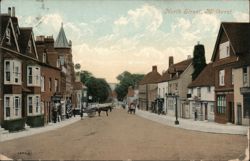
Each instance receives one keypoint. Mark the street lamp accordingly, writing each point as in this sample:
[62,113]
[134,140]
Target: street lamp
[176,109]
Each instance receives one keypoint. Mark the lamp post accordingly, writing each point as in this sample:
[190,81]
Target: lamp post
[176,110]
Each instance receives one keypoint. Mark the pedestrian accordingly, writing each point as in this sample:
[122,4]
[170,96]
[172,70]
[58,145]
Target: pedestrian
[195,115]
[81,114]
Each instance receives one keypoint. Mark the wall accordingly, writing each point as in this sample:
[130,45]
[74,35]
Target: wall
[162,94]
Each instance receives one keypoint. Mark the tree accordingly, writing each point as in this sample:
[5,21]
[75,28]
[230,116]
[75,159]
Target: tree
[98,88]
[85,75]
[199,60]
[126,79]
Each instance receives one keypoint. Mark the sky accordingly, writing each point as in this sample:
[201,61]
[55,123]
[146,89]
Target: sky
[112,36]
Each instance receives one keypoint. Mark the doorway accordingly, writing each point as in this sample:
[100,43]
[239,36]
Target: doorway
[205,111]
[239,114]
[231,112]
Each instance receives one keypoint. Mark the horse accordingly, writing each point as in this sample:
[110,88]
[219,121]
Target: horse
[106,109]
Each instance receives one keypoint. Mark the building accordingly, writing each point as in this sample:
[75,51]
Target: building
[132,96]
[163,87]
[50,76]
[180,76]
[20,100]
[148,89]
[201,95]
[231,56]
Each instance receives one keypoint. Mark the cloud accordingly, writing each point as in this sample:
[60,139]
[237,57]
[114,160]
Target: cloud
[146,17]
[241,16]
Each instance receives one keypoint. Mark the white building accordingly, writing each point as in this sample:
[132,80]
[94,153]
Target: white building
[201,95]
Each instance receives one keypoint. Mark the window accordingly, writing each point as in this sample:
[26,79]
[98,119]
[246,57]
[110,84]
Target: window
[12,72]
[7,107]
[30,102]
[232,77]
[198,92]
[8,36]
[245,77]
[12,106]
[34,105]
[37,103]
[221,104]
[50,84]
[224,50]
[29,46]
[58,63]
[17,105]
[221,77]
[56,85]
[159,92]
[33,76]
[7,71]
[42,84]
[209,89]
[44,57]
[61,60]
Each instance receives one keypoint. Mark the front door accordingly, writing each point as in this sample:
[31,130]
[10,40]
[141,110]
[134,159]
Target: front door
[239,114]
[231,112]
[205,111]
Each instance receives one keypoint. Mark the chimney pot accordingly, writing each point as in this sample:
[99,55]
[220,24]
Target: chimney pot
[154,68]
[13,12]
[9,11]
[170,61]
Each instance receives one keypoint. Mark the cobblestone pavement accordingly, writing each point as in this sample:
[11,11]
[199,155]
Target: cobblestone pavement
[124,136]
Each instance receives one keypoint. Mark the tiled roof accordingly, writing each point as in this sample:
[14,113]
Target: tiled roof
[24,38]
[238,34]
[61,40]
[165,76]
[4,19]
[205,78]
[151,78]
[178,67]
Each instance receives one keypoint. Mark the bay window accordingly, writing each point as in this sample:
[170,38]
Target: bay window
[12,106]
[34,105]
[33,76]
[12,72]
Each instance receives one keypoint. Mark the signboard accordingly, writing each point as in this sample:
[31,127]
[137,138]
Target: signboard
[56,98]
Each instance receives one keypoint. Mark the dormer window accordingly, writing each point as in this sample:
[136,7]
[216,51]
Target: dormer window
[8,36]
[224,50]
[29,46]
[44,57]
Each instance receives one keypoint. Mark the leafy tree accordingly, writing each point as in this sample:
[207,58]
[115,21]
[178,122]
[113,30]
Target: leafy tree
[199,60]
[85,75]
[126,79]
[98,88]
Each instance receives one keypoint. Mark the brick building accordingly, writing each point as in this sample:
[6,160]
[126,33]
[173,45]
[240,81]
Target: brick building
[20,100]
[231,52]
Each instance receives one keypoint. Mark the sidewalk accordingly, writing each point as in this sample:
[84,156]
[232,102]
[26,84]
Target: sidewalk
[32,131]
[190,124]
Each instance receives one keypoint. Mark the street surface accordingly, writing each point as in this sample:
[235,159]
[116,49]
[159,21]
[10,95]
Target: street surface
[124,136]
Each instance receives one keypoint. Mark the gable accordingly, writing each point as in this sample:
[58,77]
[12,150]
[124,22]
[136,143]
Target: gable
[33,52]
[12,42]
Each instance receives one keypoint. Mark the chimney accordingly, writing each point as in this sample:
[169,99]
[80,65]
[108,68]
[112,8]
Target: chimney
[9,11]
[170,61]
[154,68]
[13,12]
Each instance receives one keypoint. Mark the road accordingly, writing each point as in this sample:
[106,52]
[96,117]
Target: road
[124,136]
